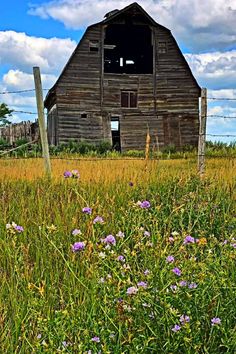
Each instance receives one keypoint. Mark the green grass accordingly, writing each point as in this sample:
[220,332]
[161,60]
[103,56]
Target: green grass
[50,295]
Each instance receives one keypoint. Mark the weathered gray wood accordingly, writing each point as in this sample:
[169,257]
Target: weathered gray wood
[42,126]
[202,133]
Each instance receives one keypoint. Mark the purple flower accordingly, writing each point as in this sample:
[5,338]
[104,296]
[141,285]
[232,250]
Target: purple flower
[146,233]
[215,321]
[146,272]
[192,286]
[95,339]
[121,258]
[189,239]
[176,328]
[131,184]
[145,204]
[78,246]
[183,283]
[109,240]
[98,220]
[142,284]
[19,228]
[120,234]
[132,290]
[87,210]
[170,259]
[76,232]
[233,245]
[184,319]
[177,271]
[75,174]
[171,239]
[173,287]
[67,174]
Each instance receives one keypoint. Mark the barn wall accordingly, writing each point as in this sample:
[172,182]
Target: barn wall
[176,92]
[78,92]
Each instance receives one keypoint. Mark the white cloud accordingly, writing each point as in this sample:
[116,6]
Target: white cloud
[18,80]
[198,24]
[215,70]
[22,52]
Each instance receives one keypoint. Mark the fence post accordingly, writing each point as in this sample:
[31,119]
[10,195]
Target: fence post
[202,133]
[42,127]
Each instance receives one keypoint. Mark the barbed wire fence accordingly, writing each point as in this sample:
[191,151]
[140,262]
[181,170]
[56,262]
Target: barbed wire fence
[202,134]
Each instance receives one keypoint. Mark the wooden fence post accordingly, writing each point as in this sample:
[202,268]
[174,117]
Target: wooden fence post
[202,133]
[42,127]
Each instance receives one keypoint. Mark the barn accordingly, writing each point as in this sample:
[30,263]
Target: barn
[126,76]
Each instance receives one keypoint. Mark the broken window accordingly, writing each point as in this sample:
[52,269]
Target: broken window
[128,49]
[93,46]
[162,47]
[129,99]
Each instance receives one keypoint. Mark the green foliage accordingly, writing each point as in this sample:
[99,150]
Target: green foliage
[53,300]
[5,112]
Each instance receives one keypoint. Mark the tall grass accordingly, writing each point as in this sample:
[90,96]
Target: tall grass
[54,300]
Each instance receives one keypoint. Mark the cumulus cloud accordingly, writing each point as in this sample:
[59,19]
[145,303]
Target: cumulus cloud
[198,24]
[22,52]
[18,80]
[214,70]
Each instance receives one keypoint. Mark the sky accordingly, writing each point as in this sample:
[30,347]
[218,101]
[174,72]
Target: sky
[44,33]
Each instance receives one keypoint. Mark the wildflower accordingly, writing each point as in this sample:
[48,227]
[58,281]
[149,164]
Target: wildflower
[65,344]
[233,245]
[75,174]
[95,339]
[19,228]
[192,286]
[110,240]
[215,321]
[67,174]
[171,239]
[202,241]
[120,234]
[174,233]
[102,280]
[146,272]
[142,284]
[121,258]
[87,210]
[177,271]
[131,184]
[76,232]
[189,239]
[102,255]
[176,328]
[184,319]
[39,336]
[145,204]
[173,287]
[225,242]
[132,290]
[170,259]
[78,246]
[146,233]
[98,220]
[183,283]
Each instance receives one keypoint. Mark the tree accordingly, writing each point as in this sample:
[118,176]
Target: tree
[5,112]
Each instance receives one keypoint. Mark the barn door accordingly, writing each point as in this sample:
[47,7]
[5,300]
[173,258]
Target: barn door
[115,132]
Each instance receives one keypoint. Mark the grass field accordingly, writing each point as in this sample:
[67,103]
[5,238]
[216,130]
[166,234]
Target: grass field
[155,273]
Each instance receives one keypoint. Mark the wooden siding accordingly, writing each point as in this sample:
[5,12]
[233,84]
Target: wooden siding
[167,99]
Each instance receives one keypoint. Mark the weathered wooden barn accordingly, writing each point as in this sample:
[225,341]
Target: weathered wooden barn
[127,74]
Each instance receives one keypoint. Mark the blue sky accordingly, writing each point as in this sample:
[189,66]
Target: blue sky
[44,33]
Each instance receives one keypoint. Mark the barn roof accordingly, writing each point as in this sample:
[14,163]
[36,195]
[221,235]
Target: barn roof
[109,17]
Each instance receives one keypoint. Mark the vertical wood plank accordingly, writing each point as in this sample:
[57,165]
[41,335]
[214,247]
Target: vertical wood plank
[202,133]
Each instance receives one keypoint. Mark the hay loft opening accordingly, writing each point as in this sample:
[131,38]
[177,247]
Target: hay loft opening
[128,49]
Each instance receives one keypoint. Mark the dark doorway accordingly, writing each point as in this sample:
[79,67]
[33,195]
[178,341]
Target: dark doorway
[115,133]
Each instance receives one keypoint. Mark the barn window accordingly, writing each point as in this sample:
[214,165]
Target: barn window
[93,46]
[162,47]
[128,49]
[83,115]
[129,99]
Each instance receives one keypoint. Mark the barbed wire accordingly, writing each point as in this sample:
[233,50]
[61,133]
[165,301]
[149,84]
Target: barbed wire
[25,112]
[221,99]
[19,91]
[219,116]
